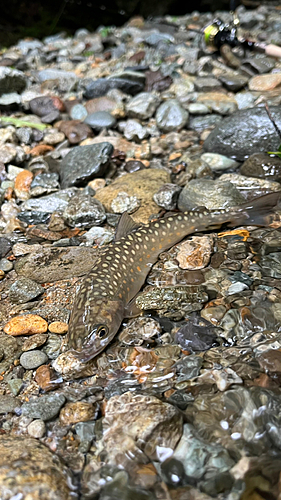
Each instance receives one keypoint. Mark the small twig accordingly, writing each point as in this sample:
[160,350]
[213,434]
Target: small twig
[272,120]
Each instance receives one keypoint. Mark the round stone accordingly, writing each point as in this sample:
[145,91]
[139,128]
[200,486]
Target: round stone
[36,428]
[32,359]
[100,120]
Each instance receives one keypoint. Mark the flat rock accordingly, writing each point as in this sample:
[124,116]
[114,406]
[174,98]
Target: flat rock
[53,264]
[44,407]
[262,166]
[244,133]
[143,184]
[84,163]
[51,203]
[24,289]
[100,120]
[28,469]
[67,80]
[100,87]
[265,82]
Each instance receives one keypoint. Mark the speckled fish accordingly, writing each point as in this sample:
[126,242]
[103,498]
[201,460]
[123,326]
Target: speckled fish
[107,292]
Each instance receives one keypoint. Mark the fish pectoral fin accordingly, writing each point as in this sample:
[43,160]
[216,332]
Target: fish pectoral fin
[132,310]
[126,224]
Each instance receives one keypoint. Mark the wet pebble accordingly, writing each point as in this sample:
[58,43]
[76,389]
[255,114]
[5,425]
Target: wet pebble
[6,265]
[35,468]
[219,162]
[195,253]
[35,341]
[32,359]
[262,166]
[24,290]
[100,120]
[36,429]
[171,116]
[80,411]
[78,112]
[58,327]
[8,404]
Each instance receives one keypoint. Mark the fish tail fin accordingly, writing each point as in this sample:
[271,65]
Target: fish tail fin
[259,212]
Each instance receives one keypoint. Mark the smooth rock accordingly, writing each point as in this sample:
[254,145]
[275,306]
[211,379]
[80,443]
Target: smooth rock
[41,106]
[171,116]
[78,112]
[244,133]
[35,341]
[32,359]
[84,163]
[75,130]
[219,162]
[265,82]
[6,265]
[133,130]
[195,253]
[100,120]
[218,102]
[36,428]
[35,466]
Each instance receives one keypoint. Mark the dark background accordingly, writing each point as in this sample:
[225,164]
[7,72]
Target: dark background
[39,18]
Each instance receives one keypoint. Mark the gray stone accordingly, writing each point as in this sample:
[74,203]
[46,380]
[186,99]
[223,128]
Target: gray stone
[45,407]
[133,130]
[5,246]
[100,120]
[233,82]
[200,123]
[155,38]
[8,404]
[167,196]
[15,385]
[6,265]
[11,80]
[198,108]
[143,105]
[78,112]
[84,163]
[206,84]
[244,100]
[210,194]
[244,133]
[67,80]
[83,211]
[32,359]
[42,105]
[171,116]
[100,87]
[51,203]
[24,289]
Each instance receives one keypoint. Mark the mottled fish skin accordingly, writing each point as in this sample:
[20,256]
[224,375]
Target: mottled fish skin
[123,265]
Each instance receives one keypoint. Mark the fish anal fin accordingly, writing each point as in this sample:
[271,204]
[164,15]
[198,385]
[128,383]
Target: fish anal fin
[126,224]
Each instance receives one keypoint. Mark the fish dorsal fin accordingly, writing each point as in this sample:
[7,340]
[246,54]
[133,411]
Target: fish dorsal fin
[126,224]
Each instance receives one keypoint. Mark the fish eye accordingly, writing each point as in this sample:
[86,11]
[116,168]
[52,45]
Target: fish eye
[102,331]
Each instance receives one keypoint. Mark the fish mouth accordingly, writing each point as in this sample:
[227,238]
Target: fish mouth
[86,354]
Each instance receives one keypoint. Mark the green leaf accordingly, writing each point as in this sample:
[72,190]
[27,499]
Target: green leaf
[22,123]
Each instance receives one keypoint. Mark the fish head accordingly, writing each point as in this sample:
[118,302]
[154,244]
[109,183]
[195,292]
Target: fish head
[92,327]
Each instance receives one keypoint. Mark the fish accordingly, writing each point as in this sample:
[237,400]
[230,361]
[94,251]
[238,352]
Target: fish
[107,293]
